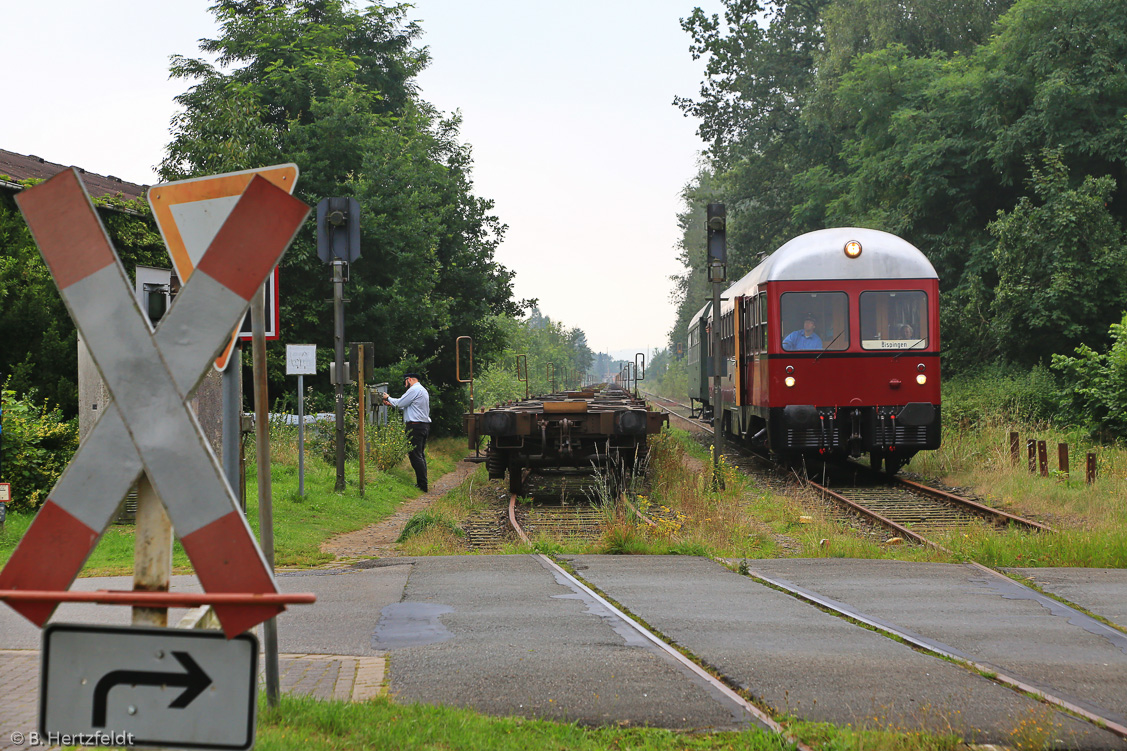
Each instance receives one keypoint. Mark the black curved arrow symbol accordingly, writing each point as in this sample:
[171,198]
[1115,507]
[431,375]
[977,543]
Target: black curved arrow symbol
[194,682]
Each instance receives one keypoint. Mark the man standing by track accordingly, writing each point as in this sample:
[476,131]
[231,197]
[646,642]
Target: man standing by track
[415,404]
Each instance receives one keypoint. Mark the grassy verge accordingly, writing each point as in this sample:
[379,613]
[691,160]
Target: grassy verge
[1090,521]
[301,523]
[302,723]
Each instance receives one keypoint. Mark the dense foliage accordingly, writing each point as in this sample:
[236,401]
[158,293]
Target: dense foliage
[331,88]
[989,133]
[39,349]
[38,443]
[1095,385]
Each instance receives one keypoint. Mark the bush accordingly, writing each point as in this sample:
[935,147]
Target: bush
[998,393]
[37,444]
[1094,386]
[424,520]
[388,444]
[321,439]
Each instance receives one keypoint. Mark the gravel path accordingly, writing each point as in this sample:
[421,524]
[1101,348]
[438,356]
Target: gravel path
[378,540]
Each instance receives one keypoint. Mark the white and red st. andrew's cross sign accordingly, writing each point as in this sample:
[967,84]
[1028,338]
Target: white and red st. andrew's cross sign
[149,426]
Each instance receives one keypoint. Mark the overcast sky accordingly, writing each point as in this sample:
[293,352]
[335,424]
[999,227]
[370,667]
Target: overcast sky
[568,108]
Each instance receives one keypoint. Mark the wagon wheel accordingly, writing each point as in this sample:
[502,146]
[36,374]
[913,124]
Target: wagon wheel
[892,464]
[876,458]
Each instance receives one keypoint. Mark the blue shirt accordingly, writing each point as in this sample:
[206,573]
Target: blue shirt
[797,340]
[415,404]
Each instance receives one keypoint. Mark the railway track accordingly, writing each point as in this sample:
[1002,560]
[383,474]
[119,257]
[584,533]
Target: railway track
[564,507]
[910,510]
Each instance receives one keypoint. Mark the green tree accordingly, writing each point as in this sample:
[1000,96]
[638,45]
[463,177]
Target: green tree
[1062,265]
[40,350]
[557,357]
[922,118]
[331,88]
[691,287]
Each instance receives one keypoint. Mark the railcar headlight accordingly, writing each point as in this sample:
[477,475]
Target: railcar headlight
[852,249]
[789,381]
[921,379]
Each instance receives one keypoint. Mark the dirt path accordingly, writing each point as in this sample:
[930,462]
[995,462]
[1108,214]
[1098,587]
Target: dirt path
[379,539]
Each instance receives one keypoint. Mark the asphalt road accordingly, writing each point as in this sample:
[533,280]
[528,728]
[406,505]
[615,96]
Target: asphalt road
[510,635]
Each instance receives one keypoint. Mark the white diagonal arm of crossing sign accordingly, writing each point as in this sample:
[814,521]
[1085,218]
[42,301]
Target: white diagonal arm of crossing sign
[150,377]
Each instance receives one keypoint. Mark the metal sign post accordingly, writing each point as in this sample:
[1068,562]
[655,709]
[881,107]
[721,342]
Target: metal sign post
[301,360]
[717,274]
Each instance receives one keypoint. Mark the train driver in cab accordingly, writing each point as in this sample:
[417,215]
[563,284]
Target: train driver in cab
[805,337]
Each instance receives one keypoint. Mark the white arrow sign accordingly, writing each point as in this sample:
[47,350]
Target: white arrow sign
[152,686]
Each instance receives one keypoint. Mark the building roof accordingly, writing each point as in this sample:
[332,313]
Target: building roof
[20,167]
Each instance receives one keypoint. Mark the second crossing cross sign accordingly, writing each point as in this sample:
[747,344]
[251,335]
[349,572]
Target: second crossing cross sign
[150,427]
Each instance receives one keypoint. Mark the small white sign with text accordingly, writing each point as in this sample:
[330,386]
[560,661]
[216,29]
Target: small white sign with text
[301,359]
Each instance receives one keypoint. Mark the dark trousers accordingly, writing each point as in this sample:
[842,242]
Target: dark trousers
[418,432]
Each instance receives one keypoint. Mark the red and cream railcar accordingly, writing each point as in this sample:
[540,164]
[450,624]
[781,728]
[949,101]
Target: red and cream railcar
[832,348]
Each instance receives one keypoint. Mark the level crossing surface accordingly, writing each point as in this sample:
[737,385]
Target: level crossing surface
[509,635]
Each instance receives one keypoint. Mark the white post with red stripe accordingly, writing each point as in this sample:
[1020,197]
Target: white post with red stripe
[149,426]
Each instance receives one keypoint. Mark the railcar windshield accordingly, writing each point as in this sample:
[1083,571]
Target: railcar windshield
[815,321]
[894,319]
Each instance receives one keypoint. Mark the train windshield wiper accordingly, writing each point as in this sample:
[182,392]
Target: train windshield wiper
[829,345]
[897,357]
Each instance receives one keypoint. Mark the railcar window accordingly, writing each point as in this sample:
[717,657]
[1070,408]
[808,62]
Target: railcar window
[829,313]
[762,321]
[894,319]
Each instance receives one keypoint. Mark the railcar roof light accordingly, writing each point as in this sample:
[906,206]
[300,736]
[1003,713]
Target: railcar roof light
[852,249]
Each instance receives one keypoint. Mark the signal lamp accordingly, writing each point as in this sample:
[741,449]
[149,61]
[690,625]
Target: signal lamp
[789,382]
[921,379]
[852,249]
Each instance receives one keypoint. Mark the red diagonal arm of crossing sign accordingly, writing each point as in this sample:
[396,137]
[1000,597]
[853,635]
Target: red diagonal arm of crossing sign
[149,426]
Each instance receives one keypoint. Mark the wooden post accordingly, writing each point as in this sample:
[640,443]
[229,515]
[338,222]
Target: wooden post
[1043,458]
[1091,468]
[1031,446]
[363,405]
[265,491]
[1015,454]
[152,553]
[1062,458]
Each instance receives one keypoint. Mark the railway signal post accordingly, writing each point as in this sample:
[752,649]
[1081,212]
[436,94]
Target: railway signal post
[338,243]
[717,274]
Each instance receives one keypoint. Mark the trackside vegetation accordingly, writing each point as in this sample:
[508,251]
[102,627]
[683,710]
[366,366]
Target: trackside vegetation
[302,723]
[301,523]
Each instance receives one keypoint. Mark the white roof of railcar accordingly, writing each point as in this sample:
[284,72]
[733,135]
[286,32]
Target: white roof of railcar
[820,255]
[699,314]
